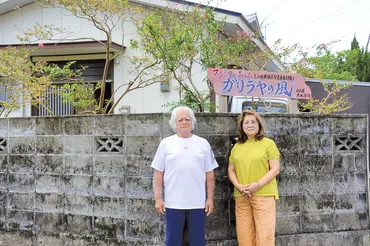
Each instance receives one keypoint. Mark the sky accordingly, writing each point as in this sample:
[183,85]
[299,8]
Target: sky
[309,22]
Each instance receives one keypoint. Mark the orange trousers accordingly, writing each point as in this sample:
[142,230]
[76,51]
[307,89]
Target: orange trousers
[255,220]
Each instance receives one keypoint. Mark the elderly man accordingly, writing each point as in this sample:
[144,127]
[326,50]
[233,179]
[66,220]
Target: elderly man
[184,164]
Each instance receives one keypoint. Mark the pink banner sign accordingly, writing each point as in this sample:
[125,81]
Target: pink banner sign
[234,82]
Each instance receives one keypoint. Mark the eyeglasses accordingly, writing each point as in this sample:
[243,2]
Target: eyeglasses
[180,120]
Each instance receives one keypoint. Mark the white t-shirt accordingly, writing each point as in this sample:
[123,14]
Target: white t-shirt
[184,162]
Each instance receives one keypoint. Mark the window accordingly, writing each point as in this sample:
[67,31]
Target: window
[92,74]
[5,94]
[265,107]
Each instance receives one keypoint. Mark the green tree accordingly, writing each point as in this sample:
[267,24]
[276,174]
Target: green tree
[323,65]
[190,38]
[26,82]
[355,44]
[357,61]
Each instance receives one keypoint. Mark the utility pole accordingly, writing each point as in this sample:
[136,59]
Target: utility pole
[367,45]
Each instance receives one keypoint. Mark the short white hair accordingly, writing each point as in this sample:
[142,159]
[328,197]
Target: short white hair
[174,115]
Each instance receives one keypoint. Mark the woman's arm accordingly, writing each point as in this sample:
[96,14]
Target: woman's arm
[234,179]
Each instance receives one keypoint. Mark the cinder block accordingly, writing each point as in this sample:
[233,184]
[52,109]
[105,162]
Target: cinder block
[78,184]
[54,240]
[49,126]
[288,224]
[139,187]
[3,163]
[283,126]
[50,223]
[347,221]
[20,220]
[360,181]
[317,203]
[139,166]
[223,189]
[349,125]
[344,183]
[110,165]
[143,125]
[290,164]
[316,164]
[144,146]
[22,183]
[361,203]
[109,186]
[24,238]
[318,222]
[21,201]
[22,145]
[21,163]
[314,125]
[78,225]
[289,205]
[211,124]
[318,184]
[49,145]
[345,203]
[106,229]
[3,182]
[144,230]
[222,209]
[49,164]
[76,164]
[222,170]
[78,145]
[217,229]
[113,207]
[109,125]
[289,185]
[287,144]
[344,163]
[219,143]
[22,126]
[49,203]
[4,127]
[78,205]
[49,183]
[137,208]
[320,144]
[81,125]
[360,163]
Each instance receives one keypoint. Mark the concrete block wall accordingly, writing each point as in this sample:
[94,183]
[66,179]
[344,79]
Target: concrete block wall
[86,180]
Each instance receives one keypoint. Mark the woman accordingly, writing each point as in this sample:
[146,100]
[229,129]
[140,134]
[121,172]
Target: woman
[254,165]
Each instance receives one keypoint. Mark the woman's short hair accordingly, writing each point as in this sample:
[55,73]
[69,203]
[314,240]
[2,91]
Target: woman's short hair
[174,115]
[242,137]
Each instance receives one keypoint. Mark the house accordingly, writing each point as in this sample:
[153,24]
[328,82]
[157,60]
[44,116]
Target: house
[14,20]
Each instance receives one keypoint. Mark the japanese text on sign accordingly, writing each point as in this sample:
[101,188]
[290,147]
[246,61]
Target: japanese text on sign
[258,83]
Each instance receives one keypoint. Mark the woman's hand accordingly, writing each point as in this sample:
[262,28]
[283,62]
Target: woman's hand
[243,190]
[252,188]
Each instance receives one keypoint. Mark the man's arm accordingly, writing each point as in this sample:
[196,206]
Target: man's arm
[210,181]
[157,186]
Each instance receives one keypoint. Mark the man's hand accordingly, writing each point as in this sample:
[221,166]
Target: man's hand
[209,207]
[159,206]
